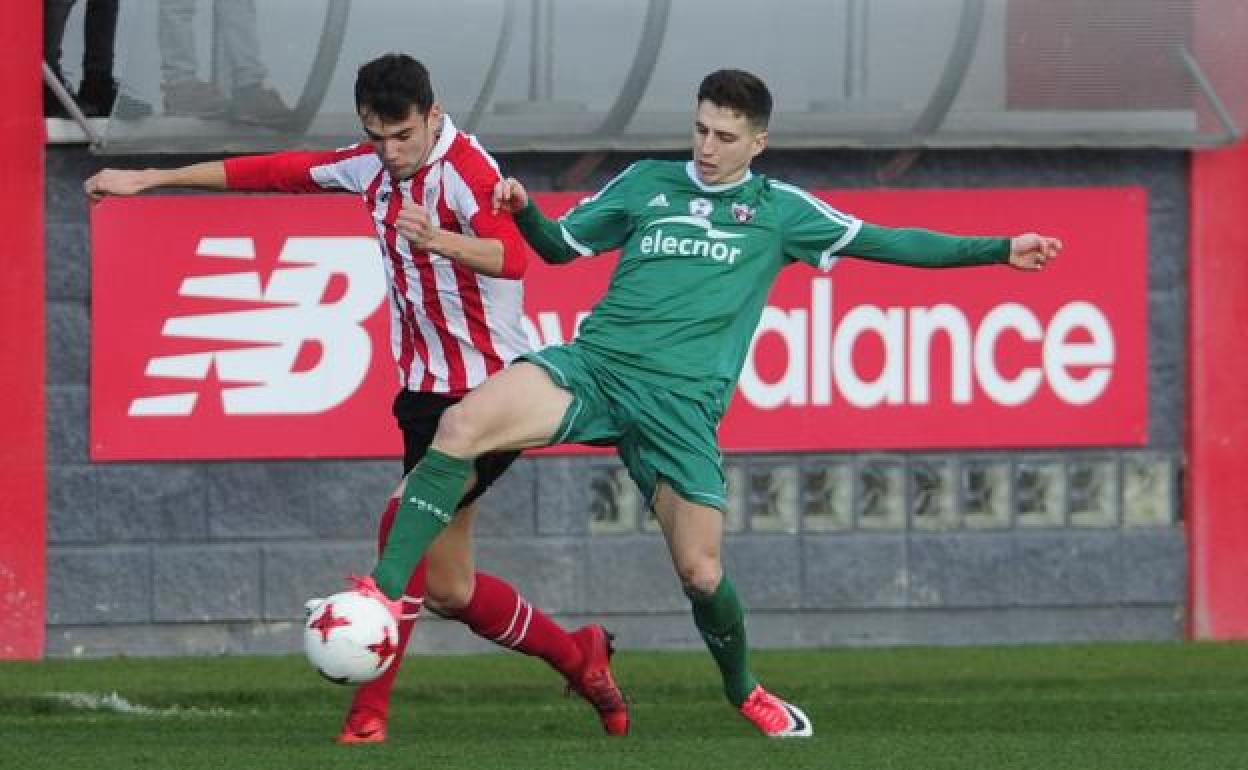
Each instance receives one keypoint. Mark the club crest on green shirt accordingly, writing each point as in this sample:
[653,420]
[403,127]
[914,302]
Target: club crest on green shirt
[743,213]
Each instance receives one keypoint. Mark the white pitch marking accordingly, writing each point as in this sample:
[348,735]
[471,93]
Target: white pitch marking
[89,701]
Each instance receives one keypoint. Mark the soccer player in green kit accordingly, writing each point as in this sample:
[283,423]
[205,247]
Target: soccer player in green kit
[655,364]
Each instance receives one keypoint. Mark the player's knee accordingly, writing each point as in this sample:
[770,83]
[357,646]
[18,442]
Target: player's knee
[447,595]
[461,431]
[699,577]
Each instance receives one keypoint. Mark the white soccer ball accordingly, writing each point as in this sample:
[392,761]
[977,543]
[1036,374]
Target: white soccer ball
[350,638]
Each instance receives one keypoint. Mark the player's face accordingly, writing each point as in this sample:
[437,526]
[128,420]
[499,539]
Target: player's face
[724,143]
[403,146]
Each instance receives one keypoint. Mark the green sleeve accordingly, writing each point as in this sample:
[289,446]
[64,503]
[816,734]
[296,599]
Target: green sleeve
[544,235]
[599,223]
[604,221]
[924,248]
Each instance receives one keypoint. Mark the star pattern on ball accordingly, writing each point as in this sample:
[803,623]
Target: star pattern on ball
[327,622]
[385,649]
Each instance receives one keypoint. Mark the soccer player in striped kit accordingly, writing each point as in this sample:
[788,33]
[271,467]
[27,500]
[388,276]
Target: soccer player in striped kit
[454,266]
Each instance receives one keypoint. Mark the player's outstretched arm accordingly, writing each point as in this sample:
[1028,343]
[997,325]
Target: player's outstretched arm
[924,248]
[114,181]
[544,235]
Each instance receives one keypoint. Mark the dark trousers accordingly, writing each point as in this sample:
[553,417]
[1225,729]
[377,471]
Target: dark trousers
[99,34]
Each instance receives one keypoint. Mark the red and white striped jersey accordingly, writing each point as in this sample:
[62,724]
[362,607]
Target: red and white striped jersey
[450,328]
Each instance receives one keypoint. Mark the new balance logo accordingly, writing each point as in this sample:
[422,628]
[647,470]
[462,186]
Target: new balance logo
[659,200]
[288,351]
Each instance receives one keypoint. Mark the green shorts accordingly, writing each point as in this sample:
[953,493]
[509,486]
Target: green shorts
[657,433]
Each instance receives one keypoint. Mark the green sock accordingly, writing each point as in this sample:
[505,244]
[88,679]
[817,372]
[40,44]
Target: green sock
[721,620]
[430,497]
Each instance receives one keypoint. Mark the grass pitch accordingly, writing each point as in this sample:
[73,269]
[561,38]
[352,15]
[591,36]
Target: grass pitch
[1102,706]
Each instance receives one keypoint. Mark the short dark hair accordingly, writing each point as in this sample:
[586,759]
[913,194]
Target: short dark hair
[738,90]
[391,86]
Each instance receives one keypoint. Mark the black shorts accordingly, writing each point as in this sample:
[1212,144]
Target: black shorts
[417,415]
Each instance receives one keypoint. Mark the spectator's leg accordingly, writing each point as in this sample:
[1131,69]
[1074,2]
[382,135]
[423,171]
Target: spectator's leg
[253,102]
[236,23]
[98,90]
[176,36]
[99,35]
[55,17]
[184,92]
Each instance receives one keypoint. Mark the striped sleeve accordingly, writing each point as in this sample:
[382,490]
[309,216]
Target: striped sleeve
[349,169]
[469,184]
[814,232]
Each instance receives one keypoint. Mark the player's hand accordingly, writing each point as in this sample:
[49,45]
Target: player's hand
[510,195]
[1032,252]
[414,224]
[112,181]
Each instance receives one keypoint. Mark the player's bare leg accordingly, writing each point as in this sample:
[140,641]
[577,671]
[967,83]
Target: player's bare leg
[450,575]
[518,408]
[695,538]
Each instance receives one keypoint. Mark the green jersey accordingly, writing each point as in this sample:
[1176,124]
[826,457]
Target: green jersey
[696,265]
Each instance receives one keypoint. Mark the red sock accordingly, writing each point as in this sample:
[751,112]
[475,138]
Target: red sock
[502,616]
[375,696]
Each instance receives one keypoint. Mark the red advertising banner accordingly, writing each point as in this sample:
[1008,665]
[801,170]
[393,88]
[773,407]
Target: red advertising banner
[228,327]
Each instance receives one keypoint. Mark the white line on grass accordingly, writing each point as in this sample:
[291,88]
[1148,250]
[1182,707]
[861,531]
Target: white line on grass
[89,701]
